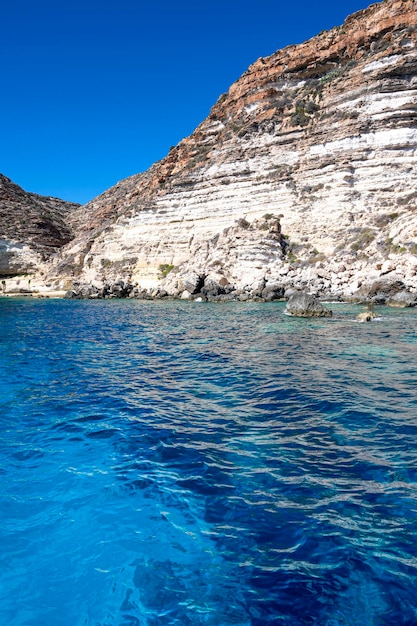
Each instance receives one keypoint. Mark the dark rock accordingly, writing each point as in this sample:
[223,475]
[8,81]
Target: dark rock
[119,289]
[90,292]
[303,304]
[42,223]
[211,288]
[378,291]
[273,292]
[116,291]
[143,294]
[403,299]
[226,297]
[192,282]
[159,294]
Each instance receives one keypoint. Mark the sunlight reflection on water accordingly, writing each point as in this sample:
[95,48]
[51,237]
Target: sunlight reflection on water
[171,463]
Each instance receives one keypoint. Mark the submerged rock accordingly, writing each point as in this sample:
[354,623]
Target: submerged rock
[366,316]
[303,304]
[369,314]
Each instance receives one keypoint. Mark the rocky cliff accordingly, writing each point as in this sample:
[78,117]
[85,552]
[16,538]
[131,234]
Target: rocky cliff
[32,228]
[303,175]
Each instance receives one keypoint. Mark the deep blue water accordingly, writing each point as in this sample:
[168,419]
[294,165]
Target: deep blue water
[206,464]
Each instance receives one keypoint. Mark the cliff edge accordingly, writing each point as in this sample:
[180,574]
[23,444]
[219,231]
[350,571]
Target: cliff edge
[303,175]
[32,228]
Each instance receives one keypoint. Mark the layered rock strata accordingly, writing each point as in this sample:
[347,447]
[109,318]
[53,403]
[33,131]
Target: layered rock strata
[32,228]
[317,141]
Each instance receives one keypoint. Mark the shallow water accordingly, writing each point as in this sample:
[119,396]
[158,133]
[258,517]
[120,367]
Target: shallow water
[206,464]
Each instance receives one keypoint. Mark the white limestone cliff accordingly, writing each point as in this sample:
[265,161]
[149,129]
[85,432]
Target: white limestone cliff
[320,136]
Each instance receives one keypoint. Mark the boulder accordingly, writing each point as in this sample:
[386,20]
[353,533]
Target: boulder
[257,288]
[211,288]
[378,291]
[366,316]
[273,292]
[71,295]
[119,289]
[290,291]
[303,304]
[86,291]
[159,294]
[403,299]
[192,282]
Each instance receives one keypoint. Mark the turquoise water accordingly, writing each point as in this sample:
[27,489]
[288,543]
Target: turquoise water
[206,464]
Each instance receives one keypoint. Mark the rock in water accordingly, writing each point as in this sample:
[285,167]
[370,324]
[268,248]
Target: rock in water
[403,299]
[366,316]
[306,305]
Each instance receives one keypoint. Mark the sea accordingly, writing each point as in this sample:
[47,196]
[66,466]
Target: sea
[189,464]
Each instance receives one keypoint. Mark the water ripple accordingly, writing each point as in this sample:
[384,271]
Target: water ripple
[166,463]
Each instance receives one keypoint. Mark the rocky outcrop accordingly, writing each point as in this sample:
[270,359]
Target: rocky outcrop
[302,304]
[32,228]
[402,299]
[379,291]
[302,176]
[236,257]
[367,316]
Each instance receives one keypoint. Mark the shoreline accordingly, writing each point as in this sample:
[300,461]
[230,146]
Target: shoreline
[403,300]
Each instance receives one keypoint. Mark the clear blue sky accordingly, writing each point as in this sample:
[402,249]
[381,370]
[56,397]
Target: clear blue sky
[94,91]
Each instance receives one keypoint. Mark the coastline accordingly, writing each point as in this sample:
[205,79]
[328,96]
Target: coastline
[394,298]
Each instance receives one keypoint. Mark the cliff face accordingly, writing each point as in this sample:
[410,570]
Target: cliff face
[303,174]
[32,228]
